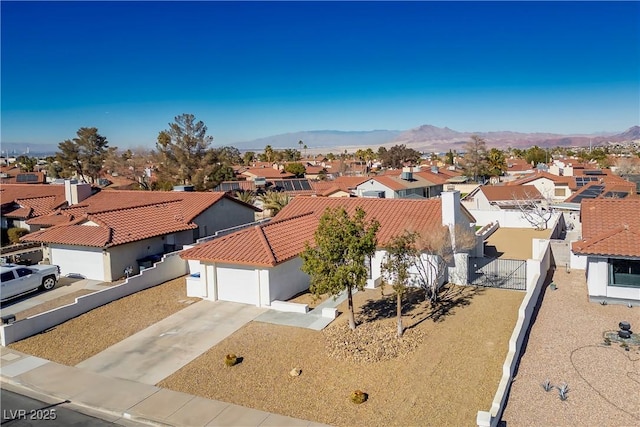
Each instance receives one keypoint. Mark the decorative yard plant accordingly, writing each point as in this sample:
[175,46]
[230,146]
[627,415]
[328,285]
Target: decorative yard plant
[230,359]
[563,391]
[358,396]
[546,385]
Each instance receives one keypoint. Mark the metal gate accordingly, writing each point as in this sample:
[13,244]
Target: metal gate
[498,273]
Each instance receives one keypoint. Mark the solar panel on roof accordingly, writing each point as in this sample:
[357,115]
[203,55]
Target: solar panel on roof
[593,172]
[305,185]
[26,177]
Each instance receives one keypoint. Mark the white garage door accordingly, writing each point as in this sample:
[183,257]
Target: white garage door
[84,261]
[238,284]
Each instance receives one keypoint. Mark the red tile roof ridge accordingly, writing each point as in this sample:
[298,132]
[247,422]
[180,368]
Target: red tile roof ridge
[583,246]
[265,244]
[124,208]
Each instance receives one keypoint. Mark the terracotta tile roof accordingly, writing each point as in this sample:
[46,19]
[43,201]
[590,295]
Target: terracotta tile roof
[449,173]
[284,237]
[498,193]
[395,183]
[313,170]
[21,212]
[130,216]
[349,182]
[265,245]
[267,173]
[31,200]
[394,215]
[326,188]
[84,235]
[193,203]
[609,227]
[436,178]
[50,220]
[518,165]
[558,180]
[119,226]
[14,192]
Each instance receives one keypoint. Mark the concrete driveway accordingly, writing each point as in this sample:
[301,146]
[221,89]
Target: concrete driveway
[158,351]
[65,286]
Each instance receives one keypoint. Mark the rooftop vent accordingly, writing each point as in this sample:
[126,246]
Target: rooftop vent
[407,174]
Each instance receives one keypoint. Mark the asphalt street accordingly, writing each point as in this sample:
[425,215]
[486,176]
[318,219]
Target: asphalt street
[23,411]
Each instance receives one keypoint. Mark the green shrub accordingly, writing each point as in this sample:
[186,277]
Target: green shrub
[16,233]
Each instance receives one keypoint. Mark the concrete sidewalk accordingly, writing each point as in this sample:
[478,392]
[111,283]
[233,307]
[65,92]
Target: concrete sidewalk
[164,347]
[127,402]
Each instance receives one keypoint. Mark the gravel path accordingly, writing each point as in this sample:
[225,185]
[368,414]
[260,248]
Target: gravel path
[566,346]
[84,336]
[448,370]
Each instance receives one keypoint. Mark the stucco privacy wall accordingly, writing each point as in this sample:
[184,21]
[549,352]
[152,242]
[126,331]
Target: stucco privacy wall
[537,269]
[170,267]
[508,219]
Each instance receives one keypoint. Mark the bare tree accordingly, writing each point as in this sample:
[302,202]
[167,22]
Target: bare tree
[534,208]
[436,254]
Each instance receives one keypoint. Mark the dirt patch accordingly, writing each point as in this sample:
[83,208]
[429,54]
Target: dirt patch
[442,378]
[84,336]
[513,243]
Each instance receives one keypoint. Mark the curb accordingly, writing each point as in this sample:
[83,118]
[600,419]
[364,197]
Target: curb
[103,414]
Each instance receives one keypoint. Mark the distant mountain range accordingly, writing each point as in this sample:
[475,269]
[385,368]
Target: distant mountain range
[430,138]
[424,138]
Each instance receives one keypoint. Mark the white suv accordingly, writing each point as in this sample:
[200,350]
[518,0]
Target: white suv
[19,279]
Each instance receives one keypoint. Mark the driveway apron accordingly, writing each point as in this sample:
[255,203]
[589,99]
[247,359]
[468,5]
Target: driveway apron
[161,349]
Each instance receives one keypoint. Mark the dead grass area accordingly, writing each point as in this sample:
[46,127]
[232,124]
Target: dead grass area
[84,336]
[306,297]
[450,373]
[51,304]
[513,243]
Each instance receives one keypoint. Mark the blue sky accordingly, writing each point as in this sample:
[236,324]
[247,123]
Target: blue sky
[255,69]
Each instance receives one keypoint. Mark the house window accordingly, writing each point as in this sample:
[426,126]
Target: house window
[624,272]
[559,192]
[367,263]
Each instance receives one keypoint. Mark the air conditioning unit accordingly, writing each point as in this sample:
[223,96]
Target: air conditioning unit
[260,181]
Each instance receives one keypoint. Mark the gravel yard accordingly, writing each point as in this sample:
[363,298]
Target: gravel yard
[566,346]
[84,336]
[446,367]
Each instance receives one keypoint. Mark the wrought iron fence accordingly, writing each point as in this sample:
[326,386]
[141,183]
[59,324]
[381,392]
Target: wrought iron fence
[498,273]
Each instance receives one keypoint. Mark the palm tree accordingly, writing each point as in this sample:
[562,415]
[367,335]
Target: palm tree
[496,163]
[274,201]
[248,197]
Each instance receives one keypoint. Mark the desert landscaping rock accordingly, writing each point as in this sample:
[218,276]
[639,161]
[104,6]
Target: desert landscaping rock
[447,367]
[87,335]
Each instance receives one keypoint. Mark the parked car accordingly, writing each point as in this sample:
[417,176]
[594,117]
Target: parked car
[18,279]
